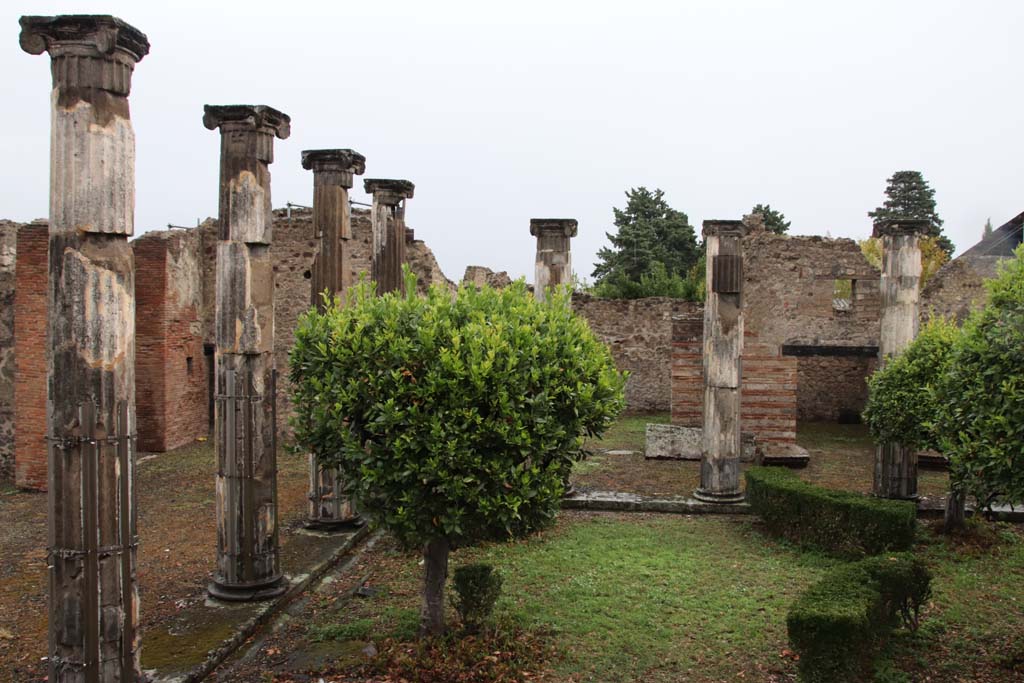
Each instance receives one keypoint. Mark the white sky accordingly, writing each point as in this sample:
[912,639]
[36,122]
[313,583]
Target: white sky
[503,111]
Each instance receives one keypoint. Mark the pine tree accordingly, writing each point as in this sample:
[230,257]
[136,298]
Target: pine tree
[774,221]
[988,228]
[908,195]
[648,231]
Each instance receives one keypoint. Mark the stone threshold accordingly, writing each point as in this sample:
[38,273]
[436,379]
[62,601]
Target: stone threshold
[616,501]
[250,617]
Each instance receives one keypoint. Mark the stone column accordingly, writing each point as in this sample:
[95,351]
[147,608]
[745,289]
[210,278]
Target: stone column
[332,223]
[723,346]
[388,221]
[245,422]
[895,464]
[553,266]
[94,604]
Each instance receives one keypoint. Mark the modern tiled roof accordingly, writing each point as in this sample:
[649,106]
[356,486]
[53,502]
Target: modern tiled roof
[1002,241]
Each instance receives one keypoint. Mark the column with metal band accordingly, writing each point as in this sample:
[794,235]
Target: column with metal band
[91,361]
[723,347]
[388,223]
[333,171]
[245,425]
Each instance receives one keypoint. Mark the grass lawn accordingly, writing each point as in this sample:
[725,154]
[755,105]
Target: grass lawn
[633,597]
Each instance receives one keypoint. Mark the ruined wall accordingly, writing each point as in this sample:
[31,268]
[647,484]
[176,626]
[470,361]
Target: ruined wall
[480,275]
[172,402]
[8,249]
[30,347]
[789,304]
[958,287]
[639,333]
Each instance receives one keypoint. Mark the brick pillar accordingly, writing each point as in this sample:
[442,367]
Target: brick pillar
[723,346]
[91,364]
[388,221]
[896,464]
[248,564]
[30,323]
[332,223]
[553,266]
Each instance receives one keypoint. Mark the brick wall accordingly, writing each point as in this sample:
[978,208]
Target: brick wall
[172,394]
[639,333]
[768,398]
[8,249]
[30,330]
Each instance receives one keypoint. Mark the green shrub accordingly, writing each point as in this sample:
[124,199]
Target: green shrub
[902,406]
[835,625]
[840,522]
[477,587]
[980,398]
[452,420]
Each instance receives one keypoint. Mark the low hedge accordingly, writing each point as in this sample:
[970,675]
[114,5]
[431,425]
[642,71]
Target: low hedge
[841,522]
[836,624]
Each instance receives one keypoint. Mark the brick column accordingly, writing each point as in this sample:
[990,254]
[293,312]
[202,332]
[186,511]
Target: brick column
[553,265]
[248,566]
[332,223]
[388,220]
[723,346]
[91,364]
[895,464]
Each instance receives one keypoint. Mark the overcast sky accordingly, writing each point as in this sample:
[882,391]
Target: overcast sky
[503,111]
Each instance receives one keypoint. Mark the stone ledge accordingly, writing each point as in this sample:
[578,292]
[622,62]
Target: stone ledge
[261,614]
[614,501]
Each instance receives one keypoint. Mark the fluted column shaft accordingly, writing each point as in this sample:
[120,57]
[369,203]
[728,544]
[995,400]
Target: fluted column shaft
[388,223]
[91,358]
[333,171]
[895,473]
[553,264]
[248,565]
[723,347]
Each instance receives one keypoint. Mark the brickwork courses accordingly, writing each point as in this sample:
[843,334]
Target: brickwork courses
[30,316]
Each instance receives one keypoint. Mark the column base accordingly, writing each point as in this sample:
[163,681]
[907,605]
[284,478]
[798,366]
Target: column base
[727,497]
[334,525]
[263,591]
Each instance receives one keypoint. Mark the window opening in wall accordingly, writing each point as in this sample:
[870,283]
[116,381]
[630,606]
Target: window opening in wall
[188,364]
[842,295]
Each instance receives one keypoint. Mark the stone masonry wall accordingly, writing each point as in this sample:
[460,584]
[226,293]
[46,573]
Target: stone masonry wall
[958,288]
[639,333]
[788,302]
[8,249]
[30,347]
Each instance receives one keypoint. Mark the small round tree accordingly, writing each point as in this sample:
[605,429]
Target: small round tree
[451,420]
[980,398]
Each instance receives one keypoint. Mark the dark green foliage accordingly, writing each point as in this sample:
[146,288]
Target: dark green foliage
[901,404]
[840,522]
[656,282]
[774,221]
[836,624]
[652,241]
[452,418]
[476,589]
[908,195]
[980,399]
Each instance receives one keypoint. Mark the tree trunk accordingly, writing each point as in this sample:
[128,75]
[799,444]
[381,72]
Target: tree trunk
[955,511]
[435,573]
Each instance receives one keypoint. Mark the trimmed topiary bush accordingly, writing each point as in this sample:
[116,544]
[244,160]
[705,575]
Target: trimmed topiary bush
[840,522]
[452,420]
[477,587]
[836,624]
